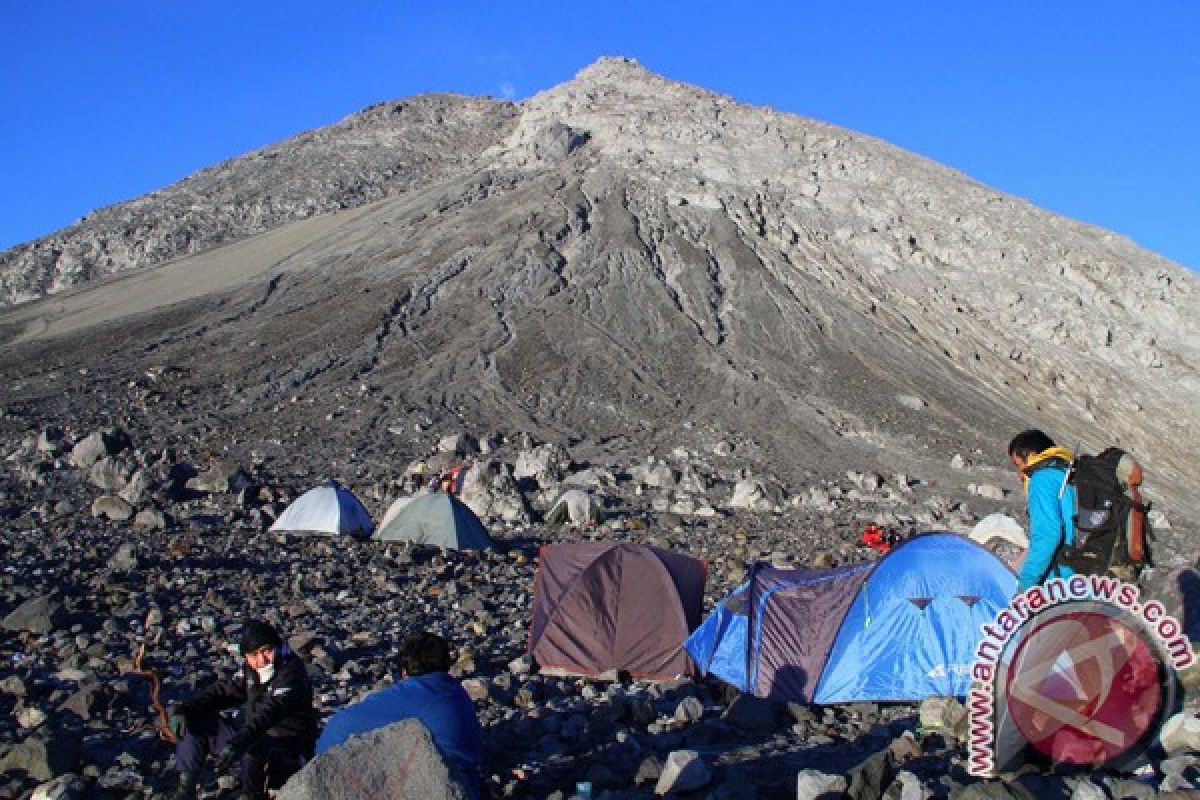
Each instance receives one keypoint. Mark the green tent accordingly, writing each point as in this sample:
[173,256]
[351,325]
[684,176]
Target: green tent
[576,507]
[437,519]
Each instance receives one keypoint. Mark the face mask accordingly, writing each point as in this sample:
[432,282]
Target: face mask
[266,673]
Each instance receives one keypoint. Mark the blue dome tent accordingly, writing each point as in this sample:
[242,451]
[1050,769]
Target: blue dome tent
[899,629]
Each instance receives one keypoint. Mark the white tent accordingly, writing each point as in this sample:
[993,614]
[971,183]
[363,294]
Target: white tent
[326,509]
[576,507]
[1000,526]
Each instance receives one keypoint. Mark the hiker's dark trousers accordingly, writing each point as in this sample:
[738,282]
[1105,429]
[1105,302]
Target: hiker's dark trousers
[267,764]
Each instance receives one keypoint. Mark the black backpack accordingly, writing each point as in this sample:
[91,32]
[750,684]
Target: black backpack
[1109,518]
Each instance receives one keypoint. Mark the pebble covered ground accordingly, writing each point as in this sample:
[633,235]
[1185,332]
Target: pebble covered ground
[191,560]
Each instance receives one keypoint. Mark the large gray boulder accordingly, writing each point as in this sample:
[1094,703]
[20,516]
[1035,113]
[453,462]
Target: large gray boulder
[750,495]
[40,614]
[546,464]
[43,757]
[399,762]
[97,445]
[812,784]
[489,490]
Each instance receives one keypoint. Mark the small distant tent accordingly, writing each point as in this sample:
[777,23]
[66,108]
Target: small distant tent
[438,519]
[1000,526]
[398,505]
[330,508]
[900,629]
[576,507]
[600,608]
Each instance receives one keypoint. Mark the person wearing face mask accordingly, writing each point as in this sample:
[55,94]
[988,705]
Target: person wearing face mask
[276,732]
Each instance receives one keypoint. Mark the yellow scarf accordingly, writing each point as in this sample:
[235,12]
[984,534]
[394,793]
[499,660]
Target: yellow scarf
[1045,455]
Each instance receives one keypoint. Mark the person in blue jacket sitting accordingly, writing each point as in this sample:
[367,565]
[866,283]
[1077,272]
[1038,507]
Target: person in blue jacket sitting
[1050,500]
[426,692]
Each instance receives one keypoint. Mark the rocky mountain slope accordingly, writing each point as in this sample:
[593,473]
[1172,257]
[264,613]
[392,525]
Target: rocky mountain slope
[627,259]
[386,149]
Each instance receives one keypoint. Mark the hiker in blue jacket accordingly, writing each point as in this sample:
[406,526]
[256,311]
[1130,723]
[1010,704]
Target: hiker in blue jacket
[428,693]
[1050,501]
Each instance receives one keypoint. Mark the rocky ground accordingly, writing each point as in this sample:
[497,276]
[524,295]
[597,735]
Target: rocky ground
[111,544]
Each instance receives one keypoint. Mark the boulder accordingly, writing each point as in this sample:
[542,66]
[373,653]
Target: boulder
[137,488]
[113,507]
[546,464]
[813,784]
[50,440]
[223,476]
[40,614]
[490,491]
[64,787]
[150,519]
[750,495]
[108,474]
[869,778]
[459,444]
[750,713]
[1181,733]
[43,757]
[907,786]
[659,476]
[945,715]
[683,771]
[84,702]
[399,762]
[97,445]
[1086,790]
[689,710]
[988,491]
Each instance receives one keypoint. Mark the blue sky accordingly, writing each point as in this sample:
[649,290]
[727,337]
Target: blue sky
[1090,109]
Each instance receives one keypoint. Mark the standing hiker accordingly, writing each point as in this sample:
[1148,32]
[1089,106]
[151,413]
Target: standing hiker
[1050,501]
[275,733]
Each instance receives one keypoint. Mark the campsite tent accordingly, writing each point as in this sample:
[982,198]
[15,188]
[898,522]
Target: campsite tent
[1002,527]
[902,628]
[398,505]
[438,519]
[605,607]
[575,506]
[331,508]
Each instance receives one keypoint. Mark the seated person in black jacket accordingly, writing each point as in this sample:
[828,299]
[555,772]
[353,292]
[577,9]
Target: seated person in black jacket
[275,733]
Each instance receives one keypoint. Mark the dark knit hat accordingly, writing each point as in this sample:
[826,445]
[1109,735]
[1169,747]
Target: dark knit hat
[257,635]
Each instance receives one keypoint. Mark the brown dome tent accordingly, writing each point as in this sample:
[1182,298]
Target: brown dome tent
[605,607]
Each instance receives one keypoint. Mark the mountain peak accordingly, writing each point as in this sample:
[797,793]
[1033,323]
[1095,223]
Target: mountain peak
[608,69]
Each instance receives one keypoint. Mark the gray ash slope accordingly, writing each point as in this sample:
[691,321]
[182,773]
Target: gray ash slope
[622,260]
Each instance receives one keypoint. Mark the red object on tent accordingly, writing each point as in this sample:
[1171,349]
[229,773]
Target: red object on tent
[609,607]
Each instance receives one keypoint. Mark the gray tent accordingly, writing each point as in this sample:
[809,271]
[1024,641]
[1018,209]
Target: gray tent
[438,519]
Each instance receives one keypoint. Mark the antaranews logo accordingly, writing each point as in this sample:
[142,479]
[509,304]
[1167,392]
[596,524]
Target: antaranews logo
[1079,670]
